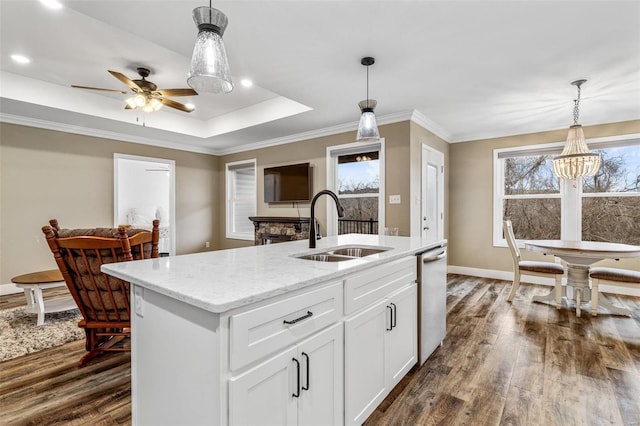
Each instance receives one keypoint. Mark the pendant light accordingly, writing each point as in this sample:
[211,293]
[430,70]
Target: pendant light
[209,72]
[576,161]
[367,128]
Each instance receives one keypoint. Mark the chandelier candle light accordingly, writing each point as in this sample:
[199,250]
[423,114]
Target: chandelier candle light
[576,160]
[367,128]
[209,72]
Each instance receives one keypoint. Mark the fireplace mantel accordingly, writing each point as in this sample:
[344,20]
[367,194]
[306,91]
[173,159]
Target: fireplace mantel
[274,229]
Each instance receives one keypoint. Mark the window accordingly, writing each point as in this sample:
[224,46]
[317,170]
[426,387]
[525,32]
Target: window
[355,173]
[605,207]
[241,199]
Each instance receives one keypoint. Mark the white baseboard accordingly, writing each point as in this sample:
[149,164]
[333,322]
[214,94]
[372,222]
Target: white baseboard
[9,289]
[508,276]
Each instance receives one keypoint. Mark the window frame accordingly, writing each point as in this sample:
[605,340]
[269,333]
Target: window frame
[333,152]
[229,174]
[570,196]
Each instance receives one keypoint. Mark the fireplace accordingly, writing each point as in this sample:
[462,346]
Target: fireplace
[270,230]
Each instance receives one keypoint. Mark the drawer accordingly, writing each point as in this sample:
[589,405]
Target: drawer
[368,287]
[261,331]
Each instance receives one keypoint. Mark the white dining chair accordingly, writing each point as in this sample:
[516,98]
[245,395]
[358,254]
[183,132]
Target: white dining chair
[611,276]
[531,267]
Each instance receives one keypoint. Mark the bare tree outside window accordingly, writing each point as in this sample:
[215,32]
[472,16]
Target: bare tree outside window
[611,198]
[531,197]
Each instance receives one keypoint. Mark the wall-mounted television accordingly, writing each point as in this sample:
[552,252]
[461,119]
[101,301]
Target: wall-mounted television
[288,184]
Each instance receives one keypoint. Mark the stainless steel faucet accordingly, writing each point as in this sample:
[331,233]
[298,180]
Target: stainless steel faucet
[312,224]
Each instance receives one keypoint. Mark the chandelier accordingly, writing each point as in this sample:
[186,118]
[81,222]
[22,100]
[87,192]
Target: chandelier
[576,161]
[209,72]
[367,128]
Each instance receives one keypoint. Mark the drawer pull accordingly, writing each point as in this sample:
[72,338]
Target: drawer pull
[304,317]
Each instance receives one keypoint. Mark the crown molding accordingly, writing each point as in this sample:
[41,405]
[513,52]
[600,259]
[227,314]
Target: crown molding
[104,134]
[318,133]
[413,115]
[422,120]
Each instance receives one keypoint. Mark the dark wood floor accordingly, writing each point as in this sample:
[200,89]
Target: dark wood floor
[517,364]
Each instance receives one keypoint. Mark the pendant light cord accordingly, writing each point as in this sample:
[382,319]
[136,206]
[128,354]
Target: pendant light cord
[367,86]
[576,105]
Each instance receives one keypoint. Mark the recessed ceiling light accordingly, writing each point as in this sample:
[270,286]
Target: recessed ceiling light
[20,59]
[52,4]
[246,82]
[190,106]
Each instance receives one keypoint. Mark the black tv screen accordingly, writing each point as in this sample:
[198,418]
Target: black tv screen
[287,184]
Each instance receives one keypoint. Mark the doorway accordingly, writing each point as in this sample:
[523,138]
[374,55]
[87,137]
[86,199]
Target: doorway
[432,195]
[144,190]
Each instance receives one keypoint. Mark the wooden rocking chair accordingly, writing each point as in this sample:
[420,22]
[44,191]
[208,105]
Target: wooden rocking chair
[103,300]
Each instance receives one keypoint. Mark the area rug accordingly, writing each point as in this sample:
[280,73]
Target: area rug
[19,334]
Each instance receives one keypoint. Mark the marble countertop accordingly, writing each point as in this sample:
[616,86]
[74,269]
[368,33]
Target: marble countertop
[218,281]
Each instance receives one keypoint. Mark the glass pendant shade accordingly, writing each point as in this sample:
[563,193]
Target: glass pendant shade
[576,160]
[367,128]
[209,72]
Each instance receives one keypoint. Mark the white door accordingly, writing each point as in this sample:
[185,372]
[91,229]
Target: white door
[403,344]
[366,382]
[432,194]
[321,363]
[264,395]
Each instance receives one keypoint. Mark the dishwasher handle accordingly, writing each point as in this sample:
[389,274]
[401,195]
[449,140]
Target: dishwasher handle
[438,256]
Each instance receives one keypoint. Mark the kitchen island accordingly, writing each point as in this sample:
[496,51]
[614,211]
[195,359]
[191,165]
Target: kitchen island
[258,335]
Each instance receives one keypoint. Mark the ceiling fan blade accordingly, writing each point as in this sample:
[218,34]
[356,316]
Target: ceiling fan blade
[98,88]
[177,92]
[176,105]
[126,80]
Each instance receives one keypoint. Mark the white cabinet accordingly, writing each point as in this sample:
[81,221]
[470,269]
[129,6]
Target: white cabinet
[380,348]
[403,338]
[300,386]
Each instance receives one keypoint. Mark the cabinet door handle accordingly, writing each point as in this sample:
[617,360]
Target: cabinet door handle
[390,318]
[297,394]
[393,315]
[308,364]
[309,314]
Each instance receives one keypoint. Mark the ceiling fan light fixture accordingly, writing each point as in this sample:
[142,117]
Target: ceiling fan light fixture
[140,100]
[209,72]
[367,127]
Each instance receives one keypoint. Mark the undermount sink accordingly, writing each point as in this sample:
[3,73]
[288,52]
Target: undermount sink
[341,254]
[324,257]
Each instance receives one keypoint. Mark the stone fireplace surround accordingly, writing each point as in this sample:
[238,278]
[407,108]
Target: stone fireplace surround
[271,229]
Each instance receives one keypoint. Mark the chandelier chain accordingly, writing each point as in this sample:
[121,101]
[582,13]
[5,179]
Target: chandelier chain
[576,106]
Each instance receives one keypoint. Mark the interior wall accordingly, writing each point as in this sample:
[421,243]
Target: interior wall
[314,150]
[48,174]
[471,196]
[142,186]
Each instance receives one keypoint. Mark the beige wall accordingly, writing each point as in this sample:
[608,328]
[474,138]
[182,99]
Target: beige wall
[471,194]
[315,150]
[48,174]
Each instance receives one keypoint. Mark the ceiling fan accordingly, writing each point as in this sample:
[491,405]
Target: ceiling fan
[146,94]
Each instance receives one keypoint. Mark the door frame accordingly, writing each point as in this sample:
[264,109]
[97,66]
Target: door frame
[427,150]
[332,179]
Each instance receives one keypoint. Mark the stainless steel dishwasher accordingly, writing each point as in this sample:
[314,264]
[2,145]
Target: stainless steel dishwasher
[432,299]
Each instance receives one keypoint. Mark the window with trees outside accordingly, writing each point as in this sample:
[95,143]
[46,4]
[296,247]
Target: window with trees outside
[358,191]
[241,202]
[604,207]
